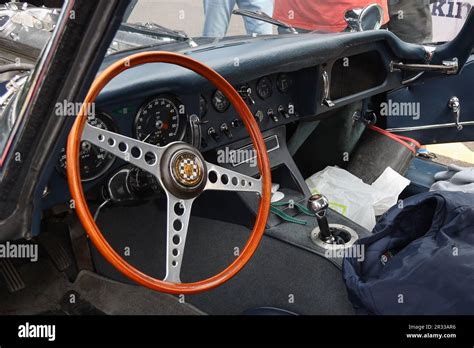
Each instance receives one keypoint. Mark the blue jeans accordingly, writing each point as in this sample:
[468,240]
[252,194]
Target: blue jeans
[218,12]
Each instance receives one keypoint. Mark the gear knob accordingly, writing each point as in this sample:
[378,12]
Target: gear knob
[319,205]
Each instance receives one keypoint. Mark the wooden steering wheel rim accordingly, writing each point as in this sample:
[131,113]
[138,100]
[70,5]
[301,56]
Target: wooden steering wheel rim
[85,216]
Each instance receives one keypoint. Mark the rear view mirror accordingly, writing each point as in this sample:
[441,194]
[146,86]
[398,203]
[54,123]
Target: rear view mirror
[362,19]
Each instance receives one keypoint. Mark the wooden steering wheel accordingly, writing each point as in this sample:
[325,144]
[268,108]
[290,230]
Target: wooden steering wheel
[180,169]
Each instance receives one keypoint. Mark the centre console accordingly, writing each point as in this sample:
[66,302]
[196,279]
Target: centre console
[313,229]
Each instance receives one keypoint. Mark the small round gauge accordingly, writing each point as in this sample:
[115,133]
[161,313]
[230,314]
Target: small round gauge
[264,87]
[93,160]
[220,101]
[161,121]
[283,83]
[202,106]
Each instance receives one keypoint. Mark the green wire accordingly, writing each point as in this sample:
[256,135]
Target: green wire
[287,217]
[300,207]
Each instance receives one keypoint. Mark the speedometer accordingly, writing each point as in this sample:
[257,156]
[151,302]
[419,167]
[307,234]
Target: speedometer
[161,121]
[93,160]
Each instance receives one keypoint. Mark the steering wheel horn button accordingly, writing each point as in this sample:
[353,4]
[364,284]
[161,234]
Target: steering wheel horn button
[183,171]
[187,169]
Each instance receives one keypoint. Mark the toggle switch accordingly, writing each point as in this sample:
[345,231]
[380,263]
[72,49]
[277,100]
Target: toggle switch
[282,111]
[259,116]
[272,115]
[213,134]
[226,130]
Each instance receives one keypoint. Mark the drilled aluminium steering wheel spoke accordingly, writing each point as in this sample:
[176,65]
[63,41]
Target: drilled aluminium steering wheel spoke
[179,212]
[140,154]
[222,179]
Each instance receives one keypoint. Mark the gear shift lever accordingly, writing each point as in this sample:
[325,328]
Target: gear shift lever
[319,205]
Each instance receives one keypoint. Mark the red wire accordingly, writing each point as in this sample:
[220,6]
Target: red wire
[398,138]
[417,144]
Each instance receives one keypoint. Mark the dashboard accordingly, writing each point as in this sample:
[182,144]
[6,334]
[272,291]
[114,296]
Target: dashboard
[282,80]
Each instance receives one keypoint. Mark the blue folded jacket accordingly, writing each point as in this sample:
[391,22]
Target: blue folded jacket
[420,259]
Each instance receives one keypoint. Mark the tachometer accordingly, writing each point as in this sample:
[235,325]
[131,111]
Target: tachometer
[161,121]
[94,161]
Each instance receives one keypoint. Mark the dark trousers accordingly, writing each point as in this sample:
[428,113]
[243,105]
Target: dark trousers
[411,20]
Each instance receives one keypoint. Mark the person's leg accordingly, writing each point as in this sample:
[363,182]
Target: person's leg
[411,21]
[254,26]
[217,16]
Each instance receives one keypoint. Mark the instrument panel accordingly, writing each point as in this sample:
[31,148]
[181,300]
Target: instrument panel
[272,99]
[165,118]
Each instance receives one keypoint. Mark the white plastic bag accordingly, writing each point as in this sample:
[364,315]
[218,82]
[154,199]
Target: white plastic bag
[351,197]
